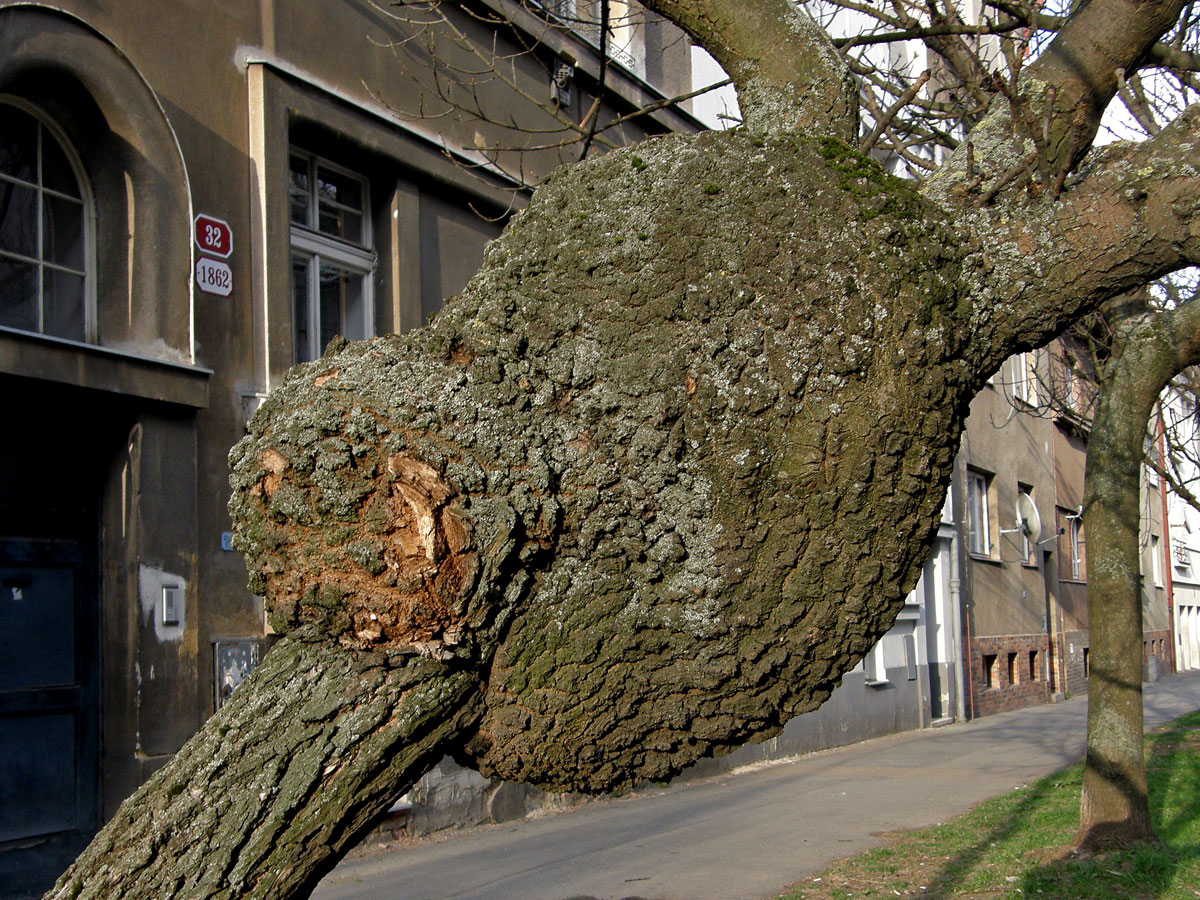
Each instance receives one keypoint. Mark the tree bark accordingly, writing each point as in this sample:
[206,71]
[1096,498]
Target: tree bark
[655,480]
[788,74]
[1114,808]
[283,780]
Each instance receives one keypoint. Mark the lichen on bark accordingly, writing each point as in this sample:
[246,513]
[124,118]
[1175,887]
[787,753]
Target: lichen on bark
[671,409]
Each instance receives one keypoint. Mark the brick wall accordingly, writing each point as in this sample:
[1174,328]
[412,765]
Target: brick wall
[1156,645]
[1072,663]
[1009,672]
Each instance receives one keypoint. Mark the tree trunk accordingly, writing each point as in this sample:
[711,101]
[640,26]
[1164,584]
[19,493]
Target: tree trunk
[1114,808]
[280,783]
[644,491]
[1149,349]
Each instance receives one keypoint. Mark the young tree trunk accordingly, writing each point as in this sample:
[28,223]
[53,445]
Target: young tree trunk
[280,783]
[1114,808]
[1149,349]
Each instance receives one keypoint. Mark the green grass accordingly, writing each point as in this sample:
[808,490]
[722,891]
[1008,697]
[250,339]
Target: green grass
[1018,845]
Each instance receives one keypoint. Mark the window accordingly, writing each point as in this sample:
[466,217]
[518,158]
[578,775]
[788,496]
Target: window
[564,9]
[874,670]
[990,676]
[1156,560]
[978,531]
[1074,391]
[332,255]
[1071,563]
[626,39]
[1181,553]
[44,230]
[1028,556]
[1014,676]
[948,509]
[1019,375]
[1035,668]
[1154,460]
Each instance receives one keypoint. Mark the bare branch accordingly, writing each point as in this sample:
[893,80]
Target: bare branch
[904,99]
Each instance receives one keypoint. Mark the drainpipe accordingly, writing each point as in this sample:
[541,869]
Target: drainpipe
[1060,656]
[1166,527]
[960,700]
[962,627]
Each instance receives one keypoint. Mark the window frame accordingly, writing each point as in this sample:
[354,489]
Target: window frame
[1028,547]
[1072,544]
[88,221]
[308,241]
[1022,380]
[979,530]
[874,666]
[1156,561]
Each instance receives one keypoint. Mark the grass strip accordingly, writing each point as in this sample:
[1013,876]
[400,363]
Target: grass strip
[1018,845]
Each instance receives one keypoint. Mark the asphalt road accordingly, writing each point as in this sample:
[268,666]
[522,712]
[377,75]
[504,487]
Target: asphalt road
[749,834]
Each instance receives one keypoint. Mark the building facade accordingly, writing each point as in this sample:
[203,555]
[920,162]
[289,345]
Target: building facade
[193,197]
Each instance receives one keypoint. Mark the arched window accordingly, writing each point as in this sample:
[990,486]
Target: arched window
[44,231]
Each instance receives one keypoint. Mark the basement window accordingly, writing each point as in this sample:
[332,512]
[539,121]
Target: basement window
[991,674]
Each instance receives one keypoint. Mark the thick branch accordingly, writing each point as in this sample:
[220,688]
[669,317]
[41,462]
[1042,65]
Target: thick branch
[1134,217]
[1174,58]
[787,72]
[1161,54]
[614,465]
[286,778]
[1098,40]
[1053,111]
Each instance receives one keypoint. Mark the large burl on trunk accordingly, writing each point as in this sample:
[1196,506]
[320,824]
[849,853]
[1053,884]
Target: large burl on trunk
[630,475]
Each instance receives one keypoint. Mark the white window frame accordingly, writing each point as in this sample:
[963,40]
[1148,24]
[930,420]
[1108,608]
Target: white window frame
[315,246]
[1156,560]
[1074,525]
[88,214]
[1027,546]
[874,666]
[1024,386]
[979,540]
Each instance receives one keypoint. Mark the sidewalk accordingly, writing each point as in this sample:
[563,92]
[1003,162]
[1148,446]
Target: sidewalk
[749,834]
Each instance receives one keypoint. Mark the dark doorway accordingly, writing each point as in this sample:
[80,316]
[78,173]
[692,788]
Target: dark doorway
[56,447]
[49,708]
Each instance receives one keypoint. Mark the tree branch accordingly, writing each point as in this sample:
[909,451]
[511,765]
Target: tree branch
[276,787]
[1134,217]
[1096,41]
[788,74]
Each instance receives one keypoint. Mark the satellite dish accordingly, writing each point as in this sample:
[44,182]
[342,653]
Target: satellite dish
[1028,520]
